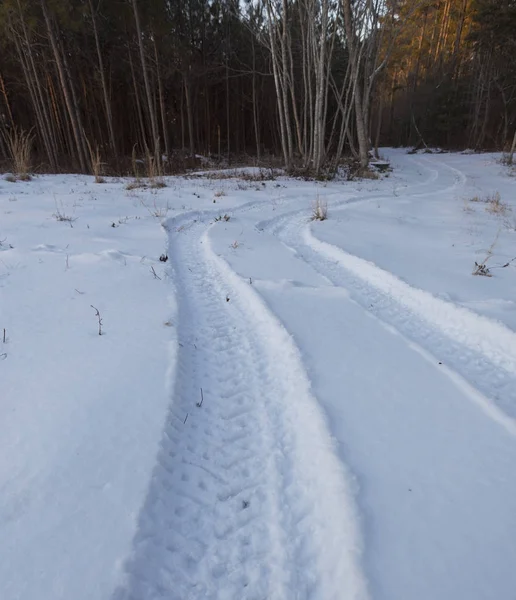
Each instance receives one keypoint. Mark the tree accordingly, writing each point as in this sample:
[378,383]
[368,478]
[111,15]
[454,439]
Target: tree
[308,80]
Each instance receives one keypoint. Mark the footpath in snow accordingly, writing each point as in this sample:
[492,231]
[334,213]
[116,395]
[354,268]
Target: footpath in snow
[284,409]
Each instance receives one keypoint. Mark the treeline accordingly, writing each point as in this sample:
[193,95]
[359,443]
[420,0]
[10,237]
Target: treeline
[452,79]
[304,81]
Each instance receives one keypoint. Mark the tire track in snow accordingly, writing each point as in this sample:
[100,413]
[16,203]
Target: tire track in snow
[248,499]
[480,350]
[359,198]
[460,179]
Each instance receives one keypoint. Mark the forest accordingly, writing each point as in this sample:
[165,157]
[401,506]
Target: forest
[304,84]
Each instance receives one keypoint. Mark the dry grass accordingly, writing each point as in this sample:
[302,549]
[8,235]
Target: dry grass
[160,212]
[368,174]
[157,184]
[60,214]
[96,163]
[135,184]
[20,146]
[264,174]
[153,170]
[319,210]
[141,184]
[493,202]
[495,205]
[154,167]
[215,175]
[354,171]
[134,164]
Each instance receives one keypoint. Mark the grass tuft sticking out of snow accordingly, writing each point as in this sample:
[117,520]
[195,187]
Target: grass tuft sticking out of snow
[319,210]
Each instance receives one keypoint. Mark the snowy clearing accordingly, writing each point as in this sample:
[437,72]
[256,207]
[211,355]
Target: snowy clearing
[282,409]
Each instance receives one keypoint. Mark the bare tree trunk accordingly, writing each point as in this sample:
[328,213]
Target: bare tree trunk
[228,112]
[512,150]
[362,137]
[255,105]
[62,126]
[26,57]
[182,112]
[189,115]
[161,102]
[139,110]
[319,121]
[6,101]
[306,82]
[458,40]
[378,127]
[82,138]
[152,114]
[294,102]
[107,103]
[482,135]
[284,70]
[277,82]
[72,110]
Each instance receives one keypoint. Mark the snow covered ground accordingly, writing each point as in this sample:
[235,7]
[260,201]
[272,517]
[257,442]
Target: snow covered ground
[284,409]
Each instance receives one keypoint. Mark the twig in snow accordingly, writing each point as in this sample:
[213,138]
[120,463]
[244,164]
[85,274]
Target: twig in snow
[5,336]
[156,276]
[60,214]
[507,264]
[199,404]
[184,422]
[97,314]
[481,268]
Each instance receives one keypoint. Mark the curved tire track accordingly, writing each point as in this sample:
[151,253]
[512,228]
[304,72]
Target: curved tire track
[480,350]
[248,499]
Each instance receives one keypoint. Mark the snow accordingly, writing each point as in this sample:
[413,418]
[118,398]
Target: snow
[284,409]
